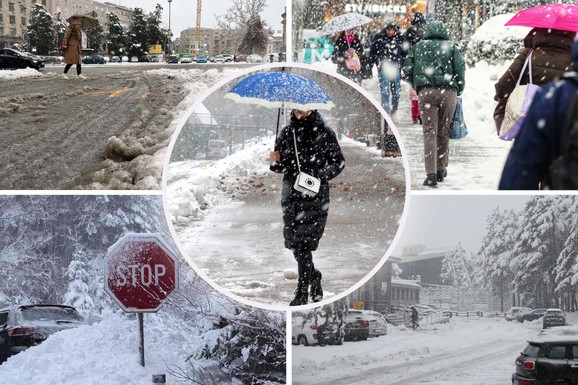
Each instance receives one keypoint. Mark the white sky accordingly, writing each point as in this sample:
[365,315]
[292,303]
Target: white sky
[184,12]
[444,220]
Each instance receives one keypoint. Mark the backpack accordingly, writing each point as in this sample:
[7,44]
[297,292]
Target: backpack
[563,171]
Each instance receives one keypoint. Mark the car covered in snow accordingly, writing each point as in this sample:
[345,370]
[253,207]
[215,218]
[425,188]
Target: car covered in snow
[23,326]
[515,311]
[356,325]
[377,323]
[547,359]
[306,331]
[531,316]
[553,317]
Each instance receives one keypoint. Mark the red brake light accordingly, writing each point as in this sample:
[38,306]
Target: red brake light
[529,365]
[366,323]
[19,331]
[313,327]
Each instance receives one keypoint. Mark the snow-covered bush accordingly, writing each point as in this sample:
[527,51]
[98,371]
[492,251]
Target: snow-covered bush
[495,43]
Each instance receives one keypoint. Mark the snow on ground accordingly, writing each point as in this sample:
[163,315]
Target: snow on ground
[471,351]
[103,353]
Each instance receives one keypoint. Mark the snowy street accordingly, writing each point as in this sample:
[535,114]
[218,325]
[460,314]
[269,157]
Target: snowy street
[239,243]
[433,354]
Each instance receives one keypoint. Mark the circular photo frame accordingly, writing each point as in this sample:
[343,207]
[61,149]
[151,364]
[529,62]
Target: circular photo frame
[234,203]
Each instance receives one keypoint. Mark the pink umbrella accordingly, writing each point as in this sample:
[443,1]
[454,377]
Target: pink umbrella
[555,16]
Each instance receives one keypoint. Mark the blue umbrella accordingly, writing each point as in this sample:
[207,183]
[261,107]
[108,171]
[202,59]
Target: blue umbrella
[280,90]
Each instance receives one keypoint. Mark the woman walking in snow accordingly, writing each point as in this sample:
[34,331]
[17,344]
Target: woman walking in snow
[348,55]
[72,44]
[306,141]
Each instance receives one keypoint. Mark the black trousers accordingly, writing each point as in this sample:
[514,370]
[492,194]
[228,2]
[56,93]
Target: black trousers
[78,68]
[305,265]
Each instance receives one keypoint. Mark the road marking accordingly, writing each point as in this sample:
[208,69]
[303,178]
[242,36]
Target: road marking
[118,92]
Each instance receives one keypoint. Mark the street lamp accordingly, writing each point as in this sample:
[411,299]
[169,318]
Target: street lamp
[169,44]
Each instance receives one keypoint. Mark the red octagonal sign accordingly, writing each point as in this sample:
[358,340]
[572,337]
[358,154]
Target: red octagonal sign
[140,272]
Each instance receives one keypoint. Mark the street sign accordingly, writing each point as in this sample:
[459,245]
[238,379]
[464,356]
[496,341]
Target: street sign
[140,272]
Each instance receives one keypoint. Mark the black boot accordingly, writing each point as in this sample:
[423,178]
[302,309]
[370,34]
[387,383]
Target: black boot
[441,175]
[316,290]
[301,294]
[431,180]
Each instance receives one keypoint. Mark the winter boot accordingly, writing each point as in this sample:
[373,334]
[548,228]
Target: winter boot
[316,290]
[301,294]
[431,180]
[441,175]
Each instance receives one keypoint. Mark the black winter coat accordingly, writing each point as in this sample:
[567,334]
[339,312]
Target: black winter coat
[385,48]
[320,155]
[338,57]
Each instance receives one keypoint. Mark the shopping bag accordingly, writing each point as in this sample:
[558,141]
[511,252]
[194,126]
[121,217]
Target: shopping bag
[353,63]
[518,104]
[458,128]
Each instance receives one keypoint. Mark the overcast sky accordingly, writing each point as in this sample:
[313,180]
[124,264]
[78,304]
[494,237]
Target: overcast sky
[184,12]
[444,220]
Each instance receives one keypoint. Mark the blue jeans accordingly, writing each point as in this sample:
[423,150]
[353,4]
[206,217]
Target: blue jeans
[390,85]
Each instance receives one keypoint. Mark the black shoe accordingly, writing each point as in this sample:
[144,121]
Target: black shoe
[441,175]
[316,290]
[420,121]
[301,294]
[431,180]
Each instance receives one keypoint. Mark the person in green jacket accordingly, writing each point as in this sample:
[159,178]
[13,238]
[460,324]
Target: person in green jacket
[435,68]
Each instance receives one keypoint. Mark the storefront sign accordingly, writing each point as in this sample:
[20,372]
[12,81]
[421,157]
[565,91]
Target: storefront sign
[376,9]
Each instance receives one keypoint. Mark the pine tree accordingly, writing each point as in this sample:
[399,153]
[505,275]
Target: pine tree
[115,37]
[95,36]
[77,294]
[456,270]
[255,37]
[137,34]
[40,32]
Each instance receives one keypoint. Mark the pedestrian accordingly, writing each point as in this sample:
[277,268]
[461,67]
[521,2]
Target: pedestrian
[415,111]
[414,317]
[348,55]
[530,162]
[435,68]
[309,143]
[417,30]
[72,45]
[550,59]
[387,53]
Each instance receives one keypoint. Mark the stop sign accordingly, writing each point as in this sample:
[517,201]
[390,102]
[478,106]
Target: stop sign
[140,272]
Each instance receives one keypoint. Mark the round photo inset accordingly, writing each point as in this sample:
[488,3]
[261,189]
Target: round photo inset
[285,186]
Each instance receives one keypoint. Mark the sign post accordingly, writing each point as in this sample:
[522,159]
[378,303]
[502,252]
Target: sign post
[140,273]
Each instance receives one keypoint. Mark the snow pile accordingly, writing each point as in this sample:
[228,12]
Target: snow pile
[104,353]
[190,193]
[494,42]
[19,73]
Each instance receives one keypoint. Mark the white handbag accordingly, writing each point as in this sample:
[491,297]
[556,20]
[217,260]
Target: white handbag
[305,183]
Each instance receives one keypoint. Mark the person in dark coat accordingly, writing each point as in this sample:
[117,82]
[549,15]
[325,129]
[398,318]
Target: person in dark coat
[345,46]
[304,217]
[414,317]
[387,53]
[539,141]
[417,30]
[436,69]
[550,59]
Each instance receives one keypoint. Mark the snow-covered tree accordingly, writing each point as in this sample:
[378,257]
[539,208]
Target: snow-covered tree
[115,37]
[456,270]
[493,271]
[78,294]
[40,31]
[95,36]
[255,37]
[238,17]
[137,34]
[566,268]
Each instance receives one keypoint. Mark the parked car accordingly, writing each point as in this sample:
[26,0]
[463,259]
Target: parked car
[201,58]
[186,58]
[13,59]
[115,59]
[547,360]
[515,312]
[93,59]
[217,149]
[553,317]
[377,323]
[305,332]
[254,58]
[356,326]
[173,59]
[531,316]
[219,59]
[240,58]
[228,57]
[23,326]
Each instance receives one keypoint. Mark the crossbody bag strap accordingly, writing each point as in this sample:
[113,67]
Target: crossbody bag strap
[296,150]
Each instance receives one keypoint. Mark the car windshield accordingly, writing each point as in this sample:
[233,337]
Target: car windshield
[556,313]
[47,313]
